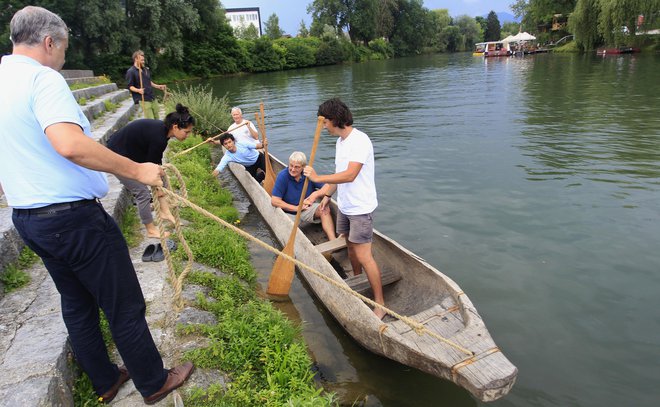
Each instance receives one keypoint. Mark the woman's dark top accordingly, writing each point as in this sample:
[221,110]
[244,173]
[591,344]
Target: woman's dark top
[142,141]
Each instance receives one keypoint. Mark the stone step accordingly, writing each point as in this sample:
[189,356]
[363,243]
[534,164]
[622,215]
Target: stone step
[93,109]
[94,91]
[110,122]
[76,73]
[87,79]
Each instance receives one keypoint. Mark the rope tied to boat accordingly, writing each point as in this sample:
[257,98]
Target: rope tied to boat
[416,326]
[469,361]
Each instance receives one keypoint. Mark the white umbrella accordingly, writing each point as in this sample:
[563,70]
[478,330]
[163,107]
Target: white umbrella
[523,36]
[508,39]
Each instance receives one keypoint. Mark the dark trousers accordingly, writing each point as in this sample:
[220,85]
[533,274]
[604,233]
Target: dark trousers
[87,258]
[252,169]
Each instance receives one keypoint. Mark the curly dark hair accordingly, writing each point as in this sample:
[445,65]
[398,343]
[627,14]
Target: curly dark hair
[337,112]
[226,137]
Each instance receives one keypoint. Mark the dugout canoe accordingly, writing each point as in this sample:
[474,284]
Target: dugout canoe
[412,288]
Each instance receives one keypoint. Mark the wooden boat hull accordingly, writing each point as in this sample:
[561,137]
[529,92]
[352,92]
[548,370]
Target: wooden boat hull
[419,291]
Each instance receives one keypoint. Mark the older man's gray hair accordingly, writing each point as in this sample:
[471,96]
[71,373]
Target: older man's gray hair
[31,24]
[236,108]
[298,157]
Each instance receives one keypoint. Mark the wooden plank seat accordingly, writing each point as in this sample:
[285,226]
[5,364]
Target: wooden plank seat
[360,283]
[331,246]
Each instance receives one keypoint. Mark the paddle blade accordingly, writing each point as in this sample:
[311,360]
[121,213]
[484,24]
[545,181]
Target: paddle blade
[282,274]
[269,182]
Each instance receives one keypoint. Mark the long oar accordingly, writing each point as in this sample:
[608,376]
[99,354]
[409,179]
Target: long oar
[269,181]
[283,269]
[144,113]
[207,140]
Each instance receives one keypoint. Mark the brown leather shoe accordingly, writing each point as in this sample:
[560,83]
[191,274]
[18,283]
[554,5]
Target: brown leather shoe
[175,378]
[109,395]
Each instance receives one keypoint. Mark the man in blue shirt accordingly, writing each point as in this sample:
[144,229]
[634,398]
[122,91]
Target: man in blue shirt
[50,169]
[244,153]
[288,188]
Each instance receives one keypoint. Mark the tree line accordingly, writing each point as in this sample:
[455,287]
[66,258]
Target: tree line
[592,22]
[193,38]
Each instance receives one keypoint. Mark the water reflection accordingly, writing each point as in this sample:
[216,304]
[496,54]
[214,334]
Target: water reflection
[595,125]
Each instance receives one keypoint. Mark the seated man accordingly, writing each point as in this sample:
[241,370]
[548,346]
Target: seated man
[244,153]
[288,188]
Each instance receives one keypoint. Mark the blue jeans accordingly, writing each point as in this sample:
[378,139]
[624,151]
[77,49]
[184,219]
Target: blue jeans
[87,258]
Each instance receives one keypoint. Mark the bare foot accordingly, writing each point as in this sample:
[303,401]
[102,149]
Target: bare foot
[156,234]
[380,313]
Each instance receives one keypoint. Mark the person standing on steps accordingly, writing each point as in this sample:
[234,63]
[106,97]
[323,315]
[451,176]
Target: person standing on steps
[52,173]
[142,88]
[356,191]
[145,140]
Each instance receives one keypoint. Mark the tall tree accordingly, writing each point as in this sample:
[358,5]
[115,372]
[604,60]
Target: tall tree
[470,32]
[385,12]
[483,23]
[362,20]
[334,13]
[440,20]
[493,27]
[583,23]
[272,27]
[412,27]
[618,19]
[302,30]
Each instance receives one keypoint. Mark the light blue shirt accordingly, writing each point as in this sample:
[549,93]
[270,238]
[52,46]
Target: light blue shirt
[246,155]
[32,173]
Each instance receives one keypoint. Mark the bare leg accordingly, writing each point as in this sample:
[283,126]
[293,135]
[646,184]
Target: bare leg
[326,222]
[362,254]
[165,213]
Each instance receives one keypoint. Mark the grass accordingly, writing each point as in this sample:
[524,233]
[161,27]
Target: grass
[130,227]
[101,80]
[14,276]
[253,343]
[109,106]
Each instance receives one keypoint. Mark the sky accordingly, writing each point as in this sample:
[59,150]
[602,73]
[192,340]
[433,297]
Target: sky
[291,12]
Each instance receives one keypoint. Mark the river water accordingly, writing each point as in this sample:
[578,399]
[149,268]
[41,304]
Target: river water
[532,182]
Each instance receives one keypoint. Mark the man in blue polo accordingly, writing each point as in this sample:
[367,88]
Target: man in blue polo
[50,169]
[288,188]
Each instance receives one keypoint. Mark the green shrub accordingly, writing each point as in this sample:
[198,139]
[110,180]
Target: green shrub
[211,114]
[299,52]
[381,47]
[330,52]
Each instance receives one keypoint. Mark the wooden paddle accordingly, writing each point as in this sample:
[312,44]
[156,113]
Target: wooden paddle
[142,87]
[269,181]
[283,269]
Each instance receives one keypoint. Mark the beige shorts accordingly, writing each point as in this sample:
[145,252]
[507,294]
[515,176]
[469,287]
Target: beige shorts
[307,215]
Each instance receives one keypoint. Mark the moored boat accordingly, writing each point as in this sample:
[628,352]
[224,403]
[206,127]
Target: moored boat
[617,51]
[496,49]
[456,345]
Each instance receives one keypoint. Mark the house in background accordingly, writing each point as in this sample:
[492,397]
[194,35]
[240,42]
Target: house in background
[242,17]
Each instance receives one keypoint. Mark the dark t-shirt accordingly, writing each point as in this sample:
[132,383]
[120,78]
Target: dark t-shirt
[133,79]
[142,141]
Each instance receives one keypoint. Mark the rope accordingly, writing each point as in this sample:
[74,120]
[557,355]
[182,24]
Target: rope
[416,326]
[177,282]
[469,361]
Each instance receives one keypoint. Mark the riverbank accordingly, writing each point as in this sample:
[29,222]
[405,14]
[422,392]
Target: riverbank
[232,336]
